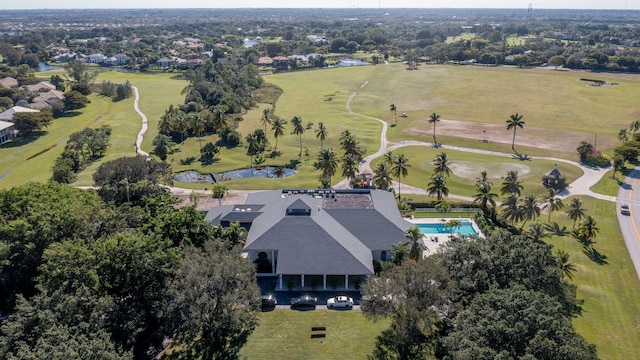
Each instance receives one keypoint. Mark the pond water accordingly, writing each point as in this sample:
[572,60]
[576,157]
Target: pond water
[266,172]
[347,61]
[47,67]
[249,43]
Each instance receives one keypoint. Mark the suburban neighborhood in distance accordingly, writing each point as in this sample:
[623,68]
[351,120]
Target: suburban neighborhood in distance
[284,183]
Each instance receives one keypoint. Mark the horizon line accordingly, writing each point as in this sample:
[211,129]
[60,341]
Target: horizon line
[318,8]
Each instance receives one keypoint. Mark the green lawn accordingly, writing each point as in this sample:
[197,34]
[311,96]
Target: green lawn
[611,316]
[286,334]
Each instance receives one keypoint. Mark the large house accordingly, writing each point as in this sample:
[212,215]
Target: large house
[316,239]
[7,131]
[7,115]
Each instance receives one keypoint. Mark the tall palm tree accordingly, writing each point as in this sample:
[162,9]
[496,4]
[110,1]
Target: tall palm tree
[350,166]
[350,144]
[530,209]
[220,120]
[441,165]
[235,233]
[514,122]
[438,187]
[618,163]
[576,212]
[552,202]
[400,169]
[393,108]
[623,135]
[634,126]
[433,119]
[485,197]
[511,209]
[321,133]
[399,252]
[483,180]
[389,158]
[277,125]
[382,177]
[198,125]
[298,129]
[589,228]
[219,190]
[327,162]
[568,268]
[414,235]
[267,118]
[536,232]
[511,184]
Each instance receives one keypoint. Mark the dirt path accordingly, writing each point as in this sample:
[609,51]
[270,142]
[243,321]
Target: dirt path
[145,123]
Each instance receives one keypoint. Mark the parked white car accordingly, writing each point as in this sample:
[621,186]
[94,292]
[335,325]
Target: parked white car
[340,302]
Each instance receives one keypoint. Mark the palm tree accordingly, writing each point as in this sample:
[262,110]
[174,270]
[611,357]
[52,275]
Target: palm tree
[433,119]
[298,129]
[618,163]
[634,126]
[511,209]
[220,120]
[389,158]
[350,145]
[485,197]
[568,268]
[382,178]
[438,187]
[441,165]
[453,225]
[234,233]
[326,162]
[393,108]
[321,133]
[589,228]
[623,135]
[536,232]
[267,118]
[198,125]
[514,122]
[399,253]
[414,235]
[483,180]
[219,190]
[400,169]
[552,202]
[277,125]
[511,184]
[350,167]
[576,212]
[530,209]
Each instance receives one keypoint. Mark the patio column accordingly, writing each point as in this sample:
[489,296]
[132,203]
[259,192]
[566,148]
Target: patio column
[273,261]
[346,281]
[280,280]
[302,280]
[324,282]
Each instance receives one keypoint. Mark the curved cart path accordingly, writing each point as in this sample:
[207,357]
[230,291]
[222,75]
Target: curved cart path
[145,123]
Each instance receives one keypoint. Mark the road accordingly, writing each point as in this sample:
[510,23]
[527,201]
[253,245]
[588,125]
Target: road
[629,223]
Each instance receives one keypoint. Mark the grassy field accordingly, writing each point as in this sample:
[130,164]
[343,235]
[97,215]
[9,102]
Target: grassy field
[611,317]
[157,92]
[467,167]
[286,334]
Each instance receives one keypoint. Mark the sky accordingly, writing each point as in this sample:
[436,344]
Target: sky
[124,4]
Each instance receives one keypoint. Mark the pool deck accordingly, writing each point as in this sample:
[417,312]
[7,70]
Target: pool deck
[433,242]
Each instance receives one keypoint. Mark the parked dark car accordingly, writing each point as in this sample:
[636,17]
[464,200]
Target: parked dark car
[305,302]
[269,302]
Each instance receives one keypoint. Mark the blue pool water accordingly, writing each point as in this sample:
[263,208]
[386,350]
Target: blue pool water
[465,229]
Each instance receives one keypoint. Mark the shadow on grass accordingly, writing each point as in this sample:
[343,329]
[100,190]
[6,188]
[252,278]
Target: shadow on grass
[595,256]
[188,161]
[555,229]
[23,140]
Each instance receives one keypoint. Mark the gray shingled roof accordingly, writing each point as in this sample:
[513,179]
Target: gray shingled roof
[238,216]
[327,241]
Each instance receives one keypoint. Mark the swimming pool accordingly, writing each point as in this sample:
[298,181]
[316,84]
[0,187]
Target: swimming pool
[465,229]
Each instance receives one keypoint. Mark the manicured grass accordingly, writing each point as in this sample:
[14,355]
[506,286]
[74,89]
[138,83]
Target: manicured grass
[607,185]
[471,164]
[286,334]
[157,91]
[610,291]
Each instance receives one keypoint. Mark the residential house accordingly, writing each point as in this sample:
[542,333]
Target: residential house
[96,58]
[281,62]
[7,131]
[316,239]
[50,98]
[165,62]
[7,115]
[9,82]
[265,61]
[41,86]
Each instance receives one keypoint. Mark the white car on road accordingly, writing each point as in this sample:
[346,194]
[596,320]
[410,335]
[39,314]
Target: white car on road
[340,302]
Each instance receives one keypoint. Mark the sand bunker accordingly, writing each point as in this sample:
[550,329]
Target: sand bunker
[472,170]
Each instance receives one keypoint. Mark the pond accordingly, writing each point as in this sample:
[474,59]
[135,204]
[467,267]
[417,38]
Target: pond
[347,61]
[265,172]
[249,43]
[47,67]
